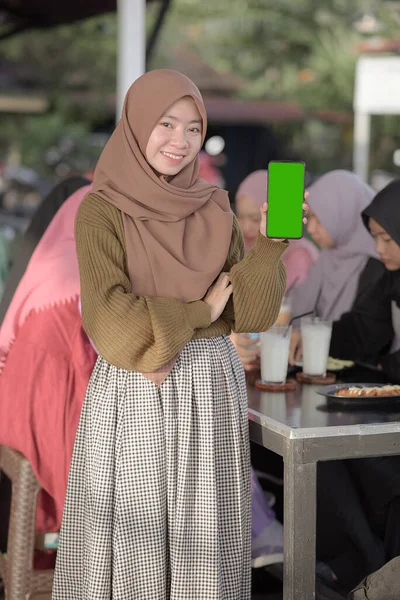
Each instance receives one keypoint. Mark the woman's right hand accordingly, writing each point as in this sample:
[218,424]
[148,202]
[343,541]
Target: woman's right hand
[218,296]
[295,348]
[248,350]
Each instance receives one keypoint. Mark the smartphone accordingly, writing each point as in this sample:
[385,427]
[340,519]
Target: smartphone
[285,196]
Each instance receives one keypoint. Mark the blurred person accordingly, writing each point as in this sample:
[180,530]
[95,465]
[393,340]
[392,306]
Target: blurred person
[361,503]
[45,361]
[250,196]
[4,261]
[370,331]
[298,257]
[208,170]
[336,201]
[266,530]
[39,222]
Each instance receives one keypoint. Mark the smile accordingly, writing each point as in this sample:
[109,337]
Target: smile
[172,156]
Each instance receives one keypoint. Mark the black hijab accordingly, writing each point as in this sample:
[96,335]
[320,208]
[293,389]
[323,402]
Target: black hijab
[385,210]
[38,225]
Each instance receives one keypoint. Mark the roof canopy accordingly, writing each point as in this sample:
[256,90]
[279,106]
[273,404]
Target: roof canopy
[47,13]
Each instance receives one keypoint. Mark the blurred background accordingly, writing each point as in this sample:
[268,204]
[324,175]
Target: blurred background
[277,77]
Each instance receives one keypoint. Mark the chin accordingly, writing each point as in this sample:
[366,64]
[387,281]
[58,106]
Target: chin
[171,170]
[168,172]
[249,243]
[392,267]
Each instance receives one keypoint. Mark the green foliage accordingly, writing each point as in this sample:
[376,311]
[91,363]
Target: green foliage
[301,51]
[36,137]
[70,58]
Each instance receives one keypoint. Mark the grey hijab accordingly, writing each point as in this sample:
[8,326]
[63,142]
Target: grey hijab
[337,199]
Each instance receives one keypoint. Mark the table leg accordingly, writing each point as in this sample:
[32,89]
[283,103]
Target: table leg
[300,482]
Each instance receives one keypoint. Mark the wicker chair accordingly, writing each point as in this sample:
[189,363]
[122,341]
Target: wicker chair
[21,580]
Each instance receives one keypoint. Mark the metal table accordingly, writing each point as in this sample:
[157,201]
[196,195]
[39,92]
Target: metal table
[299,427]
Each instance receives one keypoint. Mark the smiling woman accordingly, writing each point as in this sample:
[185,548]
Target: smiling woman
[176,139]
[160,477]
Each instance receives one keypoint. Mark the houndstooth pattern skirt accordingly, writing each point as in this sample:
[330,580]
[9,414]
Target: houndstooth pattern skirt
[158,503]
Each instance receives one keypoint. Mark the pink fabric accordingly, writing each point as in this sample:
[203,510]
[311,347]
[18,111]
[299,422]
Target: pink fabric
[301,254]
[51,277]
[298,259]
[208,171]
[42,388]
[47,360]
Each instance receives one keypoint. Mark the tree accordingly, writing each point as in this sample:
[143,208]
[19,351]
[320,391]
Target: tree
[302,50]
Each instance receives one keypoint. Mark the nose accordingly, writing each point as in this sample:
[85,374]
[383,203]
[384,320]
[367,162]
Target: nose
[379,245]
[180,139]
[245,227]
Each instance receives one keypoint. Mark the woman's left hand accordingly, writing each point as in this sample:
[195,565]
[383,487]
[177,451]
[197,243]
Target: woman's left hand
[264,209]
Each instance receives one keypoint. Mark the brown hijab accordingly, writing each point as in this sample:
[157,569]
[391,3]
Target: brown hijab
[177,232]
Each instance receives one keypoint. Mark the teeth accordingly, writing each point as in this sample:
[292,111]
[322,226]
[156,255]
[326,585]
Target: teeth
[174,156]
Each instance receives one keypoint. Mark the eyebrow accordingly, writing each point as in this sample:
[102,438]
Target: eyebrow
[176,119]
[380,233]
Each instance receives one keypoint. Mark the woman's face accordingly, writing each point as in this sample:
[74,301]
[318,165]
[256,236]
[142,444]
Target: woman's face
[249,217]
[176,139]
[318,233]
[387,249]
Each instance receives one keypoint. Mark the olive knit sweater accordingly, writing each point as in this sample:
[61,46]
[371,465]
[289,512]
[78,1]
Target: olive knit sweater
[142,333]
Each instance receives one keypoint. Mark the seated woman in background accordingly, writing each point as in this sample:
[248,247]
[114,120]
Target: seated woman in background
[36,228]
[267,532]
[359,500]
[45,362]
[298,258]
[371,330]
[336,201]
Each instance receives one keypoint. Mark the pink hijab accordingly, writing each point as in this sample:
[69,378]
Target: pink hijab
[301,254]
[47,281]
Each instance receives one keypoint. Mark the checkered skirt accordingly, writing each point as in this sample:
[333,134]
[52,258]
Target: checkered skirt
[158,502]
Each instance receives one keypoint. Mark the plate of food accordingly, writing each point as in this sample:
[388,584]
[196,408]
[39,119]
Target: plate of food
[362,395]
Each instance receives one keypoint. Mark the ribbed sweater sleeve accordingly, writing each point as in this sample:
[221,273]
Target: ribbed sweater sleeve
[259,282]
[131,332]
[142,333]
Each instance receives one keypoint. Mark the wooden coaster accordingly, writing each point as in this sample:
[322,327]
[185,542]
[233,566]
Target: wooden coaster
[288,386]
[316,379]
[252,375]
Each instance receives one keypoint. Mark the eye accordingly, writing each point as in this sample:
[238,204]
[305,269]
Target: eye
[166,124]
[195,130]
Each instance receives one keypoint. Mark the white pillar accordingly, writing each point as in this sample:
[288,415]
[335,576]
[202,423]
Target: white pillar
[362,134]
[131,61]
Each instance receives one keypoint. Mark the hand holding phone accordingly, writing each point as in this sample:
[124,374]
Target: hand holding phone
[285,197]
[264,209]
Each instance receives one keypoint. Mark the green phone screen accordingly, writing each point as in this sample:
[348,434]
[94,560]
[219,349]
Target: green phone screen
[285,199]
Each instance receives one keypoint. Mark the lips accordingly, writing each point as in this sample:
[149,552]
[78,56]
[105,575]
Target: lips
[170,156]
